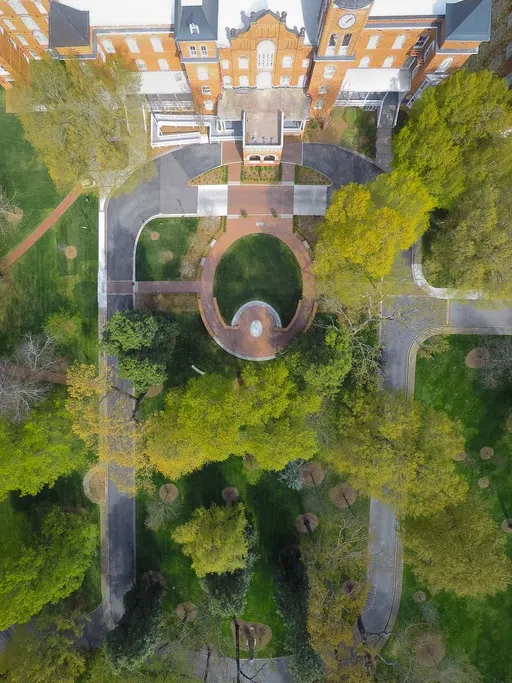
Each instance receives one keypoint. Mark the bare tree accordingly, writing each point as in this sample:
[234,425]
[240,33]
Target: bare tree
[22,378]
[498,371]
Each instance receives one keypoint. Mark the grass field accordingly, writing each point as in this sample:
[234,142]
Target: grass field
[24,177]
[258,267]
[480,628]
[45,281]
[161,259]
[349,127]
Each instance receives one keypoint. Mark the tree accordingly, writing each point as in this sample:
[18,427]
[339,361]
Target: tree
[215,539]
[143,344]
[43,565]
[162,670]
[213,418]
[64,328]
[81,115]
[460,549]
[366,225]
[46,650]
[498,372]
[399,453]
[472,247]
[10,214]
[40,451]
[322,358]
[462,116]
[336,563]
[136,636]
[22,377]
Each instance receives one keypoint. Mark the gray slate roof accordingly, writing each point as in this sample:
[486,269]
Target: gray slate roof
[205,16]
[352,4]
[468,20]
[68,27]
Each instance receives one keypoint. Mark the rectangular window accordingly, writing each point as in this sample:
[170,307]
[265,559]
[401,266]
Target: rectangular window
[17,6]
[243,81]
[101,53]
[163,65]
[287,62]
[399,42]
[206,90]
[373,42]
[305,63]
[9,24]
[323,89]
[34,55]
[202,74]
[41,38]
[41,8]
[204,51]
[141,65]
[388,62]
[192,51]
[132,44]
[285,80]
[319,104]
[22,40]
[30,23]
[3,72]
[156,44]
[225,64]
[421,42]
[243,62]
[108,46]
[364,63]
[329,71]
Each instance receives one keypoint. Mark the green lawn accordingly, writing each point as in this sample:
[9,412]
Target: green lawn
[160,259]
[24,177]
[350,127]
[258,267]
[480,628]
[45,281]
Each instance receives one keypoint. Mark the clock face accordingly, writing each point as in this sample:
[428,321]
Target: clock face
[347,20]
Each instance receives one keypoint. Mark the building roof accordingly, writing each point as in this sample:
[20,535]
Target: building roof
[127,13]
[377,80]
[299,14]
[68,27]
[202,13]
[411,8]
[469,20]
[291,101]
[352,4]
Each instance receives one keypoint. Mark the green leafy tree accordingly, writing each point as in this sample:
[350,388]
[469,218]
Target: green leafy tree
[82,114]
[63,327]
[262,414]
[46,650]
[399,453]
[215,539]
[136,636]
[162,670]
[43,565]
[38,452]
[460,549]
[143,343]
[322,358]
[472,247]
[461,118]
[366,225]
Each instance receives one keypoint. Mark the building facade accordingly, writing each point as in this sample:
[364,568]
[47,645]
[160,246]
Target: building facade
[252,69]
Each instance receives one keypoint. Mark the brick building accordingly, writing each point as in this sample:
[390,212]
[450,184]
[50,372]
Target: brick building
[253,69]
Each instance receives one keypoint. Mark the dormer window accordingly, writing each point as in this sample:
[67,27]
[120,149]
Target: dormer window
[194,29]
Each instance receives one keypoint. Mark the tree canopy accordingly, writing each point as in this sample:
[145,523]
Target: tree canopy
[38,452]
[460,549]
[262,414]
[462,119]
[215,539]
[81,114]
[366,225]
[143,343]
[399,453]
[42,565]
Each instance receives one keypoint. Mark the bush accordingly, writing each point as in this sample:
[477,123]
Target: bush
[136,637]
[63,327]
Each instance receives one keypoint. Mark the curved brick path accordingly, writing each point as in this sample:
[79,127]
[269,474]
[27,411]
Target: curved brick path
[238,340]
[43,227]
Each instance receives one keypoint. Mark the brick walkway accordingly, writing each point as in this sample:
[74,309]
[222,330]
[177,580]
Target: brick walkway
[43,227]
[238,340]
[258,200]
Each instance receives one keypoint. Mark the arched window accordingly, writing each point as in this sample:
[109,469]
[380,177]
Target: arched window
[331,45]
[254,157]
[243,62]
[364,62]
[445,65]
[227,81]
[266,51]
[329,71]
[323,90]
[269,157]
[345,43]
[243,81]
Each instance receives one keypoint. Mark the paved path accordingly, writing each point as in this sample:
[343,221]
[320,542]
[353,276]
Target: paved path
[238,340]
[43,227]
